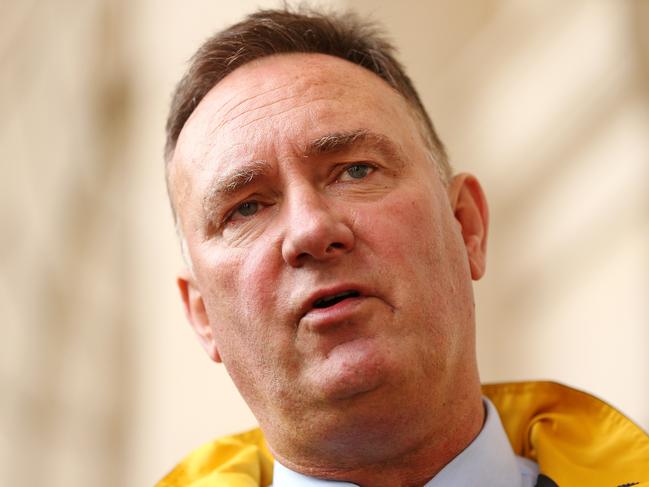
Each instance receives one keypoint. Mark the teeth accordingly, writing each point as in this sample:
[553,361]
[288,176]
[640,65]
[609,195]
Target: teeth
[337,298]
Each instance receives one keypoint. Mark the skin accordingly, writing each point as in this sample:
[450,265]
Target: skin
[381,389]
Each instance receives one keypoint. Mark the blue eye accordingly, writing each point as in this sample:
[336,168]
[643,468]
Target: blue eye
[248,208]
[358,171]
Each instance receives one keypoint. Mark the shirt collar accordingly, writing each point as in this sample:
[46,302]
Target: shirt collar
[488,460]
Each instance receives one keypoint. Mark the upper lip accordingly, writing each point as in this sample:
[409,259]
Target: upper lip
[328,292]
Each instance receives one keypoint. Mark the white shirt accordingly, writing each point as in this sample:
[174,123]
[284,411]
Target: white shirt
[488,461]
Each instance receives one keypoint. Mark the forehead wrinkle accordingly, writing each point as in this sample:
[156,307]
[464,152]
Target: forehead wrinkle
[224,118]
[293,107]
[300,88]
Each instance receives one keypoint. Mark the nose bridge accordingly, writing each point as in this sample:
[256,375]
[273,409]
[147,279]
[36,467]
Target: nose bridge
[313,227]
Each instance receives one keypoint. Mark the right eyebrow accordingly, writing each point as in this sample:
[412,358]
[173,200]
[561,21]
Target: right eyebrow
[235,180]
[240,177]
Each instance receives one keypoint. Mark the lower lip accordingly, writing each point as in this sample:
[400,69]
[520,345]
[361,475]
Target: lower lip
[319,319]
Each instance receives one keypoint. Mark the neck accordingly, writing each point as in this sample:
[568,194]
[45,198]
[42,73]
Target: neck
[392,462]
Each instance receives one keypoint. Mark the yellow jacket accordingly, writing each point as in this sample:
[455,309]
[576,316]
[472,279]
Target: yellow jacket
[577,440]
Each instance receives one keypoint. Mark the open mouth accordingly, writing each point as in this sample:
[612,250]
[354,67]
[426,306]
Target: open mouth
[328,301]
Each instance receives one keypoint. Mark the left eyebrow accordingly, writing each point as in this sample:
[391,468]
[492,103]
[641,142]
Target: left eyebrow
[343,141]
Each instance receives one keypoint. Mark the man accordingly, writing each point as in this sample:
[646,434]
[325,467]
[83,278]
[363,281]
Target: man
[330,254]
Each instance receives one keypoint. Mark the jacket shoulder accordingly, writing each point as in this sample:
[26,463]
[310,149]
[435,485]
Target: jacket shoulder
[576,438]
[241,460]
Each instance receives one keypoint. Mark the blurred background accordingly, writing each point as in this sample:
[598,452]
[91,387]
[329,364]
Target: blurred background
[101,381]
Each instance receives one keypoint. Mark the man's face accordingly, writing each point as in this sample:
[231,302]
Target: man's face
[331,265]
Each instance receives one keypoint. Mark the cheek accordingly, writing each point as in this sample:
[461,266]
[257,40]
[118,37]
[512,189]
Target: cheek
[419,250]
[403,228]
[239,280]
[258,282]
[242,297]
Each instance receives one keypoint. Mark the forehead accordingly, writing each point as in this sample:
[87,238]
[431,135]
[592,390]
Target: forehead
[293,95]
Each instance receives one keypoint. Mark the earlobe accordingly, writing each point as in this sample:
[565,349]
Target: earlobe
[470,209]
[196,313]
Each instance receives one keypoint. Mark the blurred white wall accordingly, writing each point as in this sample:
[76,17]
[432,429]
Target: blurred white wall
[102,383]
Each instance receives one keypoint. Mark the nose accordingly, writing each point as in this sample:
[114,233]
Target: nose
[314,231]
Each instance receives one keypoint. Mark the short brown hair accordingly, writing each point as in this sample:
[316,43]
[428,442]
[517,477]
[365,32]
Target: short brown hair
[269,32]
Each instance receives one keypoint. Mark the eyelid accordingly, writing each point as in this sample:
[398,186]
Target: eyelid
[254,198]
[346,166]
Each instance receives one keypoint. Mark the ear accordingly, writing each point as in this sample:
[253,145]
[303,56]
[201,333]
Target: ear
[470,208]
[196,314]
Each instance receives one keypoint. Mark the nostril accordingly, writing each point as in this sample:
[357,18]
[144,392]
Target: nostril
[335,246]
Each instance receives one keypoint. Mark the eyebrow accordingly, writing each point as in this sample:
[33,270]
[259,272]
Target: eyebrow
[242,176]
[344,141]
[235,180]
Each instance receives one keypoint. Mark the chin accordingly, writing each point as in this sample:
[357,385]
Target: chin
[352,370]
